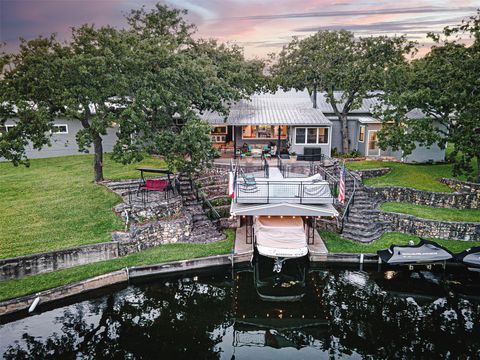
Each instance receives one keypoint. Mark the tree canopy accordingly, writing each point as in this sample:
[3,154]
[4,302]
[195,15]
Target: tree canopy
[346,69]
[150,79]
[444,85]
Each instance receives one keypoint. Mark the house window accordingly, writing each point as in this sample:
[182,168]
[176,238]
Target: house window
[60,129]
[219,130]
[323,135]
[300,135]
[311,135]
[263,132]
[361,134]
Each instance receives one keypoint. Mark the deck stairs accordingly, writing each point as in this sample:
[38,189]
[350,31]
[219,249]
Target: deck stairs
[363,222]
[203,229]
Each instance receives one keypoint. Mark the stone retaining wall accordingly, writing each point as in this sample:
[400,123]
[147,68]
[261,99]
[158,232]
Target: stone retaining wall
[462,186]
[152,210]
[325,224]
[371,173]
[140,237]
[451,230]
[420,197]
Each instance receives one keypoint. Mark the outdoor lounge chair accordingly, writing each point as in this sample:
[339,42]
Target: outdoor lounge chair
[249,183]
[154,185]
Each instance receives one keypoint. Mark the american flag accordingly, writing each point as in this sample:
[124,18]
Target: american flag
[341,194]
[231,185]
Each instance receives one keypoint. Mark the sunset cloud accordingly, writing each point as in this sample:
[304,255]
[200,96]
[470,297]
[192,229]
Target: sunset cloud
[261,27]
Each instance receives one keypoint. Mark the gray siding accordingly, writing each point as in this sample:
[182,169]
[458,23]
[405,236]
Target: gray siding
[337,134]
[299,148]
[422,154]
[66,144]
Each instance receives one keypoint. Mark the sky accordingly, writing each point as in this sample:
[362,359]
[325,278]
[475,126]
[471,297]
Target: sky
[261,27]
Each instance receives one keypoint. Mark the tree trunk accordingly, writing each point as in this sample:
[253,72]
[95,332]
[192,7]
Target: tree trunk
[344,131]
[98,158]
[478,168]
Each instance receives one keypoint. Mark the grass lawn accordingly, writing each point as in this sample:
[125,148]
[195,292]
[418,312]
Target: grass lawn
[170,252]
[422,177]
[335,243]
[429,212]
[418,176]
[54,204]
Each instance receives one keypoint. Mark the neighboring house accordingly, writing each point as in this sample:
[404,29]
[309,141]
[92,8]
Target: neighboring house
[63,139]
[284,119]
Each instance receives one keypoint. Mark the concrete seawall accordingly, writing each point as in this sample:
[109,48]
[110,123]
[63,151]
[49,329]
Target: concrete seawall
[21,304]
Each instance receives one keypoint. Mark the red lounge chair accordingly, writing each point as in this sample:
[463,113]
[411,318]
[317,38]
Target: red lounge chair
[154,185]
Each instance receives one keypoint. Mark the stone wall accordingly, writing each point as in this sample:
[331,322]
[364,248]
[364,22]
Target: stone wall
[451,230]
[152,210]
[140,237]
[371,173]
[462,186]
[420,197]
[325,224]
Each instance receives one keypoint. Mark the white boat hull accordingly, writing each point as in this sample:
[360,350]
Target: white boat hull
[283,253]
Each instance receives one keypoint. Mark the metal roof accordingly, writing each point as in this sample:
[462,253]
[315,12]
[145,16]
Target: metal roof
[285,209]
[368,104]
[367,120]
[280,108]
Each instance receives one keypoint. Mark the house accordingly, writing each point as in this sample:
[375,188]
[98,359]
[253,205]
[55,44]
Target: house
[287,119]
[363,128]
[63,139]
[284,120]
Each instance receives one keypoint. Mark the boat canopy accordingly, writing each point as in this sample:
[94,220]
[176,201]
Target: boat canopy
[283,209]
[280,237]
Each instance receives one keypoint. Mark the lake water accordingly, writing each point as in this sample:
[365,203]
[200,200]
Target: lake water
[344,313]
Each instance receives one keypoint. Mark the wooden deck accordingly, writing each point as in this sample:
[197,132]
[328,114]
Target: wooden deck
[243,252]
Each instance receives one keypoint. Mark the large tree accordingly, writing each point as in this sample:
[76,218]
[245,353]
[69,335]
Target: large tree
[146,78]
[345,68]
[444,85]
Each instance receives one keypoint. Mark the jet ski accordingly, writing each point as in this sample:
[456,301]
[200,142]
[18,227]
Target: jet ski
[425,252]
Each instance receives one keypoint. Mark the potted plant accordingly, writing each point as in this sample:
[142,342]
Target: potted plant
[293,156]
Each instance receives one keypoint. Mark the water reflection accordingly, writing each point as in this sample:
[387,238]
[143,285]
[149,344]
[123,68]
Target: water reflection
[344,313]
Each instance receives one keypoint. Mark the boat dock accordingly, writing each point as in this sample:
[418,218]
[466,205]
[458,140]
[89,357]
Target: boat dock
[243,252]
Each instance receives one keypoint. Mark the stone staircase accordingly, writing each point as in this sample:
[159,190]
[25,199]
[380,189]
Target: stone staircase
[363,223]
[203,229]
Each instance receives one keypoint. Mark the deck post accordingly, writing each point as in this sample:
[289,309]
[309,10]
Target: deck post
[278,142]
[234,142]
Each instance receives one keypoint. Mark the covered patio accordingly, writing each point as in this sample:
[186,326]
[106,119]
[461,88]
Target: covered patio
[272,124]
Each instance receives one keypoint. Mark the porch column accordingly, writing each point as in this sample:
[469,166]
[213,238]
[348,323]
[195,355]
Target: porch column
[278,142]
[234,142]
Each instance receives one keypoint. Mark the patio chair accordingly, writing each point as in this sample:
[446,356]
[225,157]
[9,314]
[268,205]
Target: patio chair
[248,179]
[155,185]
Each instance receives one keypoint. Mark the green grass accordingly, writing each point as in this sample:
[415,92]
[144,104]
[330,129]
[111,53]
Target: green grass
[417,176]
[336,244]
[422,177]
[429,212]
[54,204]
[170,252]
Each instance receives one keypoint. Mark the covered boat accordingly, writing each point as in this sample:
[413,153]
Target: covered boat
[425,252]
[280,237]
[470,257]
